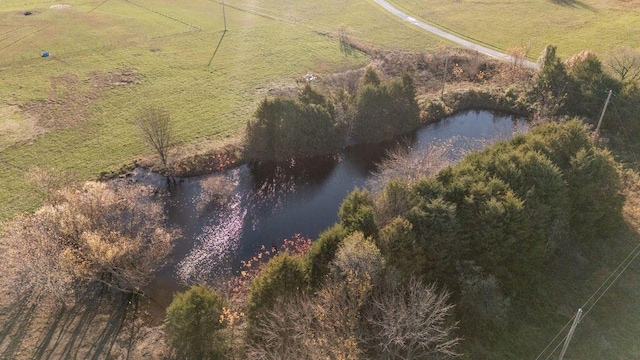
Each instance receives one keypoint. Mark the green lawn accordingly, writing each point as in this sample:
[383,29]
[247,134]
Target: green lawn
[572,25]
[268,45]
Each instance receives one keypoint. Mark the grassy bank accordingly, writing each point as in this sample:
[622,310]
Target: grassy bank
[573,25]
[71,113]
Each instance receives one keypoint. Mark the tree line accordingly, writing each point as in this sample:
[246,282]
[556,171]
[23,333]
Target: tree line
[316,124]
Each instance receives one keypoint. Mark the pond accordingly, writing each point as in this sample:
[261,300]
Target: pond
[264,204]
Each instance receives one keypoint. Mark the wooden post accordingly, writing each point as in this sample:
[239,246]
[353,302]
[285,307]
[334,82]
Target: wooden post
[570,334]
[444,77]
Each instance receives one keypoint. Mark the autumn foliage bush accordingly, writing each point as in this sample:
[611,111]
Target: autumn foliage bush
[110,234]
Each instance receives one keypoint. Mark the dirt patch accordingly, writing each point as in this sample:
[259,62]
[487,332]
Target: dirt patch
[17,127]
[70,99]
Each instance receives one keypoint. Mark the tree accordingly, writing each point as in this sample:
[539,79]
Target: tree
[286,332]
[193,323]
[550,91]
[595,193]
[322,252]
[358,257]
[155,125]
[351,318]
[589,84]
[624,62]
[385,109]
[518,55]
[325,326]
[410,322]
[284,128]
[356,213]
[283,277]
[371,77]
[102,233]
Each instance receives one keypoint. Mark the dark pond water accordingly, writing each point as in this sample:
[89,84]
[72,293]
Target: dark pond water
[267,203]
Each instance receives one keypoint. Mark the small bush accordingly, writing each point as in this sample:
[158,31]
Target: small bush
[359,258]
[322,253]
[193,324]
[283,277]
[356,213]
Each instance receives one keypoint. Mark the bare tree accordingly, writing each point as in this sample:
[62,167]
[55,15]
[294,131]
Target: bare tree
[109,234]
[624,62]
[286,332]
[322,327]
[518,55]
[155,125]
[411,322]
[352,319]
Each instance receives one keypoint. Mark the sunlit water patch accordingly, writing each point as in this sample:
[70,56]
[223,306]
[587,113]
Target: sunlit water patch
[213,250]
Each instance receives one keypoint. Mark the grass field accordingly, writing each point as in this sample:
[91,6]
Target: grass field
[71,113]
[572,25]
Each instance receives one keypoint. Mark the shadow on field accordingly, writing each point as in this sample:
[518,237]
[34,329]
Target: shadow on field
[87,330]
[19,316]
[217,47]
[573,3]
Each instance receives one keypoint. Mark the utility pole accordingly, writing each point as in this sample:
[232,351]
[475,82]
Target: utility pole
[602,115]
[573,328]
[444,77]
[224,16]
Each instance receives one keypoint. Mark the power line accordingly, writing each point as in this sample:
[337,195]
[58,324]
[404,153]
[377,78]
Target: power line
[628,260]
[554,339]
[616,278]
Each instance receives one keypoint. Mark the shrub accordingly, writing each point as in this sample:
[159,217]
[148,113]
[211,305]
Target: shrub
[322,253]
[283,276]
[356,213]
[359,258]
[385,109]
[595,193]
[396,199]
[283,128]
[193,324]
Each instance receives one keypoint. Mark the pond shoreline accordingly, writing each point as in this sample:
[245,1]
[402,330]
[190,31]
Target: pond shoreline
[232,156]
[272,202]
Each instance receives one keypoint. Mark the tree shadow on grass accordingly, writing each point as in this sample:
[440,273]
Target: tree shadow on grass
[87,330]
[574,4]
[19,316]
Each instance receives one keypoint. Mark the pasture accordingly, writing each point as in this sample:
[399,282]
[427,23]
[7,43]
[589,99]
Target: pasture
[572,25]
[71,113]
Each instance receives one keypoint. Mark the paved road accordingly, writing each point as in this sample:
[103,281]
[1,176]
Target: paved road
[432,29]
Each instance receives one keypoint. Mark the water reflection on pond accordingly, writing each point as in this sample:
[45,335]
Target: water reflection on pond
[264,204]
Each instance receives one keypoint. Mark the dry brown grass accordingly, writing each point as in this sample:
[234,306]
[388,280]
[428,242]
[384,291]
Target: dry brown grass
[70,98]
[16,127]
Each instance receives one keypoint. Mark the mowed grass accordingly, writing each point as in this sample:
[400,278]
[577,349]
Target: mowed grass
[572,25]
[170,45]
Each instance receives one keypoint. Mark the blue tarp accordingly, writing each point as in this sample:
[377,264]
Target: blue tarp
[46,54]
